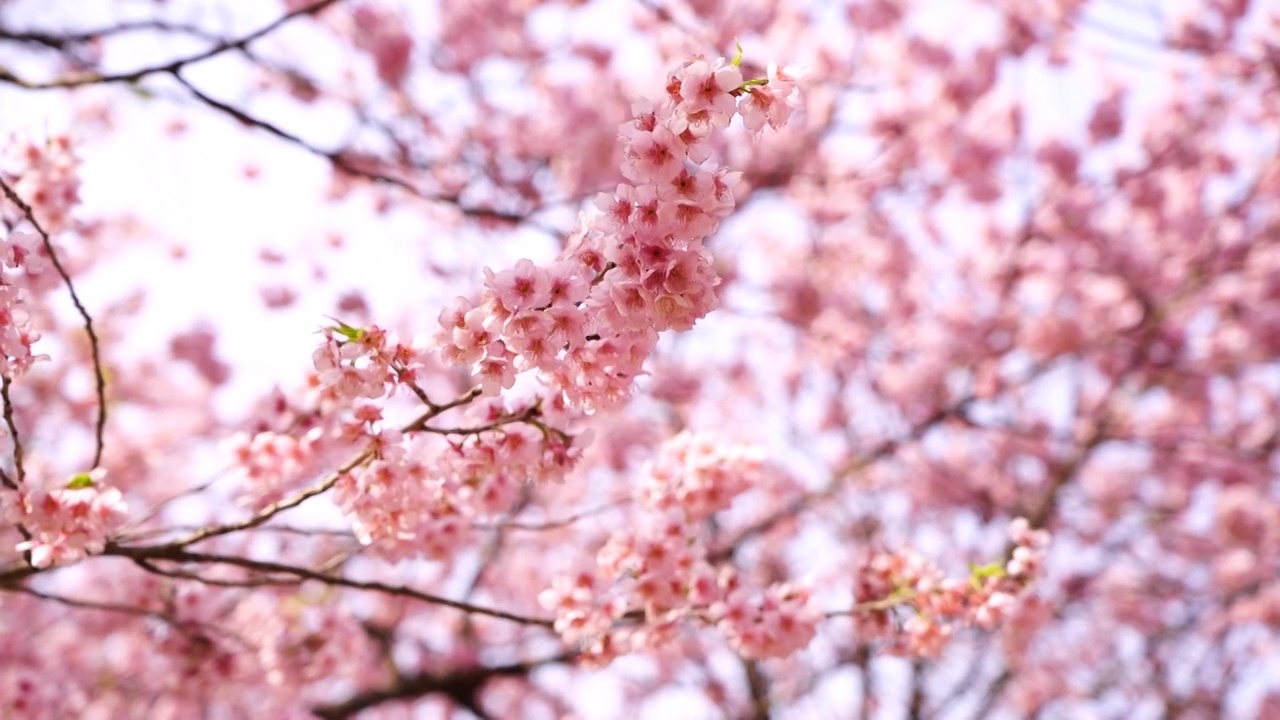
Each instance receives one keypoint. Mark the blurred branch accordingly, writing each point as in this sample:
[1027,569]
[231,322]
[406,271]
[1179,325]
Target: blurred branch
[874,454]
[915,705]
[461,686]
[93,604]
[758,684]
[554,524]
[318,489]
[171,67]
[275,508]
[190,628]
[347,162]
[65,41]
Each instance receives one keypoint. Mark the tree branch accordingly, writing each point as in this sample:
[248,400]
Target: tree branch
[100,380]
[146,556]
[462,687]
[172,66]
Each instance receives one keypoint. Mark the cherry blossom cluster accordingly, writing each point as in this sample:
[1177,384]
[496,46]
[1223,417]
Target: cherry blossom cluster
[523,446]
[383,35]
[68,523]
[1246,526]
[698,476]
[302,643]
[354,367]
[1030,546]
[637,266]
[362,363]
[662,576]
[190,646]
[408,499]
[47,178]
[410,507]
[774,621]
[267,464]
[889,581]
[395,503]
[20,261]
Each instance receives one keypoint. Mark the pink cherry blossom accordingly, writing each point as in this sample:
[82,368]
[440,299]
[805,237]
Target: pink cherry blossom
[67,524]
[575,402]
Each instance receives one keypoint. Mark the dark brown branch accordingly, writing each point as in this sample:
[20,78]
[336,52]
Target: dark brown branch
[915,706]
[148,556]
[254,582]
[460,686]
[13,433]
[528,414]
[320,488]
[15,575]
[345,162]
[17,455]
[339,160]
[92,604]
[171,67]
[100,380]
[65,41]
[398,590]
[275,508]
[758,685]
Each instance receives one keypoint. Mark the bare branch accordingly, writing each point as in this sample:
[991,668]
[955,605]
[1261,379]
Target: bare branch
[461,686]
[148,555]
[64,41]
[171,67]
[13,433]
[318,489]
[100,380]
[346,163]
[275,508]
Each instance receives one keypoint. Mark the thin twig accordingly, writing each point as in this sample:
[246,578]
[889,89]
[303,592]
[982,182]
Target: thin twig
[524,416]
[91,604]
[13,433]
[550,524]
[61,42]
[100,379]
[256,582]
[276,508]
[460,686]
[172,66]
[318,489]
[307,532]
[347,163]
[147,557]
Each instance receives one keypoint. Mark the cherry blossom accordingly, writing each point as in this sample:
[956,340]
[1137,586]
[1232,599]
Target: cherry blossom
[68,523]
[527,360]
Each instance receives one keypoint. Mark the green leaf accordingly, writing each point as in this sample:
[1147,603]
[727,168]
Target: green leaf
[737,56]
[80,481]
[978,573]
[354,334]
